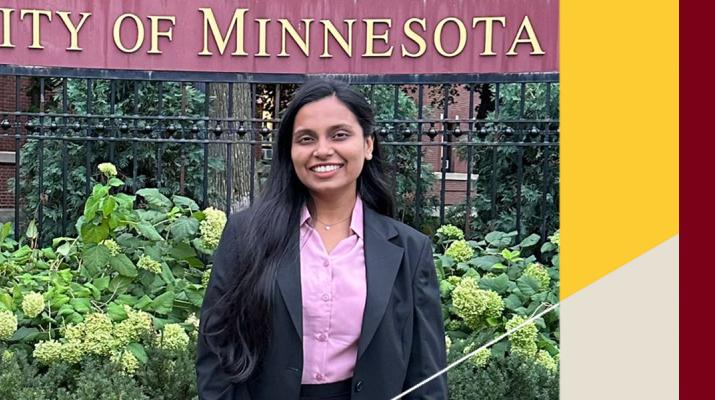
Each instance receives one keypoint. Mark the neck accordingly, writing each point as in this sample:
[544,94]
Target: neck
[335,207]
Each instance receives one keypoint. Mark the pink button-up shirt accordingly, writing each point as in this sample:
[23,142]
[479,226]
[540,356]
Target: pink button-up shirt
[333,289]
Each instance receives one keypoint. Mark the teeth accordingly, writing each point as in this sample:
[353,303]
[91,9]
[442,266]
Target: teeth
[326,168]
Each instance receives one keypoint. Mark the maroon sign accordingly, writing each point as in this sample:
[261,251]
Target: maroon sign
[320,36]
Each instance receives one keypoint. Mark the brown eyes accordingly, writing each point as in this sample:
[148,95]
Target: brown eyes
[339,135]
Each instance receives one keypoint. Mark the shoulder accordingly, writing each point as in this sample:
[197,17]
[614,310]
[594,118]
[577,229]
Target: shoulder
[407,237]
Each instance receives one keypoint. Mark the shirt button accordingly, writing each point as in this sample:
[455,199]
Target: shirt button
[322,337]
[318,376]
[326,263]
[358,386]
[326,297]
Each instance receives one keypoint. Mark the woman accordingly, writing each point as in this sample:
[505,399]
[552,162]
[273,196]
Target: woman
[315,292]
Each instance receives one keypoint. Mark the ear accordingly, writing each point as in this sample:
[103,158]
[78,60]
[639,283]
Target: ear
[369,142]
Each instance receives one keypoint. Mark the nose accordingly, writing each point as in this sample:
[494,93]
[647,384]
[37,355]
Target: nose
[324,149]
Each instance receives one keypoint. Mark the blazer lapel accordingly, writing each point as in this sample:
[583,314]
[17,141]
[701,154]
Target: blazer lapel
[382,261]
[289,283]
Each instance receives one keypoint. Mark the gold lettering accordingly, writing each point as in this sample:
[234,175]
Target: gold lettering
[36,14]
[347,46]
[303,43]
[438,36]
[222,41]
[262,23]
[73,29]
[370,37]
[6,13]
[155,33]
[117,33]
[530,38]
[488,32]
[419,40]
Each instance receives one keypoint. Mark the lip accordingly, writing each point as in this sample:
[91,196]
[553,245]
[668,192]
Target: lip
[327,174]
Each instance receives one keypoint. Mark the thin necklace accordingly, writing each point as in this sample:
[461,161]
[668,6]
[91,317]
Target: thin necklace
[327,227]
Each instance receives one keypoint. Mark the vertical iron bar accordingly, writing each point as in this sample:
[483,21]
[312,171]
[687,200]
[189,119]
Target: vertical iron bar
[160,132]
[88,141]
[229,151]
[135,134]
[446,149]
[394,150]
[520,161]
[253,137]
[418,185]
[41,164]
[493,183]
[229,176]
[545,166]
[64,158]
[18,205]
[470,128]
[112,110]
[207,101]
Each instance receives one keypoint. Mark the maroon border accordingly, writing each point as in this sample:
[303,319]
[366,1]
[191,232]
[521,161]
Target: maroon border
[696,154]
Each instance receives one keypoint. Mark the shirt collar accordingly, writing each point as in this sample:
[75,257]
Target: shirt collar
[356,221]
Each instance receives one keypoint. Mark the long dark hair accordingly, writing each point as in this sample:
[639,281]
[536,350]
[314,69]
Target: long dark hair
[244,312]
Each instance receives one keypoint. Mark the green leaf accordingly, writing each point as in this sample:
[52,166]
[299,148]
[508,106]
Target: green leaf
[485,262]
[58,300]
[143,302]
[498,239]
[25,335]
[120,283]
[547,247]
[64,250]
[167,275]
[163,303]
[94,233]
[148,231]
[6,301]
[90,208]
[116,312]
[499,284]
[185,202]
[115,182]
[65,310]
[446,261]
[31,230]
[528,285]
[101,283]
[183,228]
[182,251]
[5,231]
[530,240]
[96,258]
[445,288]
[138,351]
[108,205]
[512,302]
[81,305]
[124,200]
[155,199]
[123,265]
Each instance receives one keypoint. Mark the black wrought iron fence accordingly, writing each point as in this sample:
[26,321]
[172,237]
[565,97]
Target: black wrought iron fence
[477,151]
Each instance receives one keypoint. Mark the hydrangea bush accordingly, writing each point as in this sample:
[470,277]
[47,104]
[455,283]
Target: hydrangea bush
[130,283]
[491,287]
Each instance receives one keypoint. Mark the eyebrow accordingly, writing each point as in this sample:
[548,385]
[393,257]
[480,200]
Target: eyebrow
[330,129]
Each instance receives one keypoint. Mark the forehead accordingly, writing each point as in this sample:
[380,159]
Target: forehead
[326,112]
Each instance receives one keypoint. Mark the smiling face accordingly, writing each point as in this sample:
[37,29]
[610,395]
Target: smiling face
[328,147]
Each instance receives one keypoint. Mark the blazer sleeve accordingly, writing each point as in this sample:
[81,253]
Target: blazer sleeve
[212,381]
[429,353]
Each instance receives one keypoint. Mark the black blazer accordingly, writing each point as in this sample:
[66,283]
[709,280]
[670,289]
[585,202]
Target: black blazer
[402,340]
